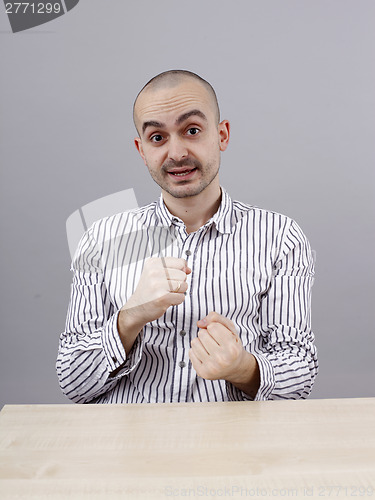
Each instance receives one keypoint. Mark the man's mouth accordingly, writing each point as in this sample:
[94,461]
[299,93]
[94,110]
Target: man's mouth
[182,172]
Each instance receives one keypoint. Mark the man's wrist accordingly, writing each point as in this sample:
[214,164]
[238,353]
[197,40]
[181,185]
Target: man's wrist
[128,328]
[247,376]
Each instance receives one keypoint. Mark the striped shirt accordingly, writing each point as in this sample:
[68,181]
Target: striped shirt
[251,265]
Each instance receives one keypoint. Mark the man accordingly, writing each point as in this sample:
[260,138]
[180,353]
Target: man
[195,297]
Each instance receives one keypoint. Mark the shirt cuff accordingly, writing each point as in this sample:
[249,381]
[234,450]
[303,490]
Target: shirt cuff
[118,360]
[267,378]
[267,383]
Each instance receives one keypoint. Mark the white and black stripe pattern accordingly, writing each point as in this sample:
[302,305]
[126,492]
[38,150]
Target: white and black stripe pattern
[250,265]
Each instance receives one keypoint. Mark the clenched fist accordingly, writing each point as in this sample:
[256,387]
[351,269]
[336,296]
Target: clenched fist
[161,285]
[217,353]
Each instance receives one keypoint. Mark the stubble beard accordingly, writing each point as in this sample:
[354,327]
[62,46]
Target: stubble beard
[162,178]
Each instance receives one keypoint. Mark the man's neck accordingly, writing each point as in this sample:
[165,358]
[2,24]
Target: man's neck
[195,211]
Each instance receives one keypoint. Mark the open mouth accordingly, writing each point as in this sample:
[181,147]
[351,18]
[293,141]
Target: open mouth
[183,173]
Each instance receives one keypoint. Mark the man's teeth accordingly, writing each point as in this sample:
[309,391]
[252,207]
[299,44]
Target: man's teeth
[182,173]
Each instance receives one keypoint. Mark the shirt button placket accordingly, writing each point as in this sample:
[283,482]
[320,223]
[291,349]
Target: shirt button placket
[182,333]
[187,253]
[182,363]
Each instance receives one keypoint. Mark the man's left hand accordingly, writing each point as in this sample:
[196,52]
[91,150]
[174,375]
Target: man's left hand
[217,353]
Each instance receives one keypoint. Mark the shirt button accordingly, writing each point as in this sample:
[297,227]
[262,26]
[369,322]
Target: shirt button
[187,252]
[182,333]
[182,364]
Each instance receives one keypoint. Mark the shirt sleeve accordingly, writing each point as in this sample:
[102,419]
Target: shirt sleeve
[285,349]
[91,357]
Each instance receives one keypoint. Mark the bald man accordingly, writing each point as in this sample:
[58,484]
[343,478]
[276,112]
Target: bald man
[212,302]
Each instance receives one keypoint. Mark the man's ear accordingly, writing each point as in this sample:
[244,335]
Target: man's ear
[138,145]
[224,133]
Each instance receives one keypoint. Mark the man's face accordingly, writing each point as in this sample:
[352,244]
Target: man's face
[180,140]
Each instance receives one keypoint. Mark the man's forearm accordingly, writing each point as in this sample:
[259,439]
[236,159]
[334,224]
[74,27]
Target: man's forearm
[128,328]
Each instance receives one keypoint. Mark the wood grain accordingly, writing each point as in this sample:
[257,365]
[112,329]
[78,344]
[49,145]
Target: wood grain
[268,449]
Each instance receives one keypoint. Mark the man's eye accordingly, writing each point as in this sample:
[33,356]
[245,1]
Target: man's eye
[193,131]
[156,138]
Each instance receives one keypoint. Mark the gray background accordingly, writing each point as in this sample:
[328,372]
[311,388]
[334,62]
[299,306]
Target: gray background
[296,80]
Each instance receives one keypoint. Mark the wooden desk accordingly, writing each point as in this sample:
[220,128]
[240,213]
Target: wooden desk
[272,449]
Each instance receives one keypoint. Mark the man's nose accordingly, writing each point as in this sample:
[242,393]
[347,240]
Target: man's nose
[177,149]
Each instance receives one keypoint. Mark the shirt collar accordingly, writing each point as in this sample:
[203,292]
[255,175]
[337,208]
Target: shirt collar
[222,218]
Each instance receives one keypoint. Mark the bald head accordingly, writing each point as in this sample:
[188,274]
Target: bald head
[174,78]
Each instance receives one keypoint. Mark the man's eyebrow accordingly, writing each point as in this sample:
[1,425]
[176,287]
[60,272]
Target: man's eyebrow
[180,119]
[194,112]
[152,123]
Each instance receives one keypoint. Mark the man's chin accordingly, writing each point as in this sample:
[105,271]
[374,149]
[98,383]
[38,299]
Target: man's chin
[183,191]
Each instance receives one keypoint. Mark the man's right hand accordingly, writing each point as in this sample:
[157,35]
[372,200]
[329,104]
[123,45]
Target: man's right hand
[162,284]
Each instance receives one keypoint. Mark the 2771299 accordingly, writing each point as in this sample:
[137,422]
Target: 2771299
[32,7]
